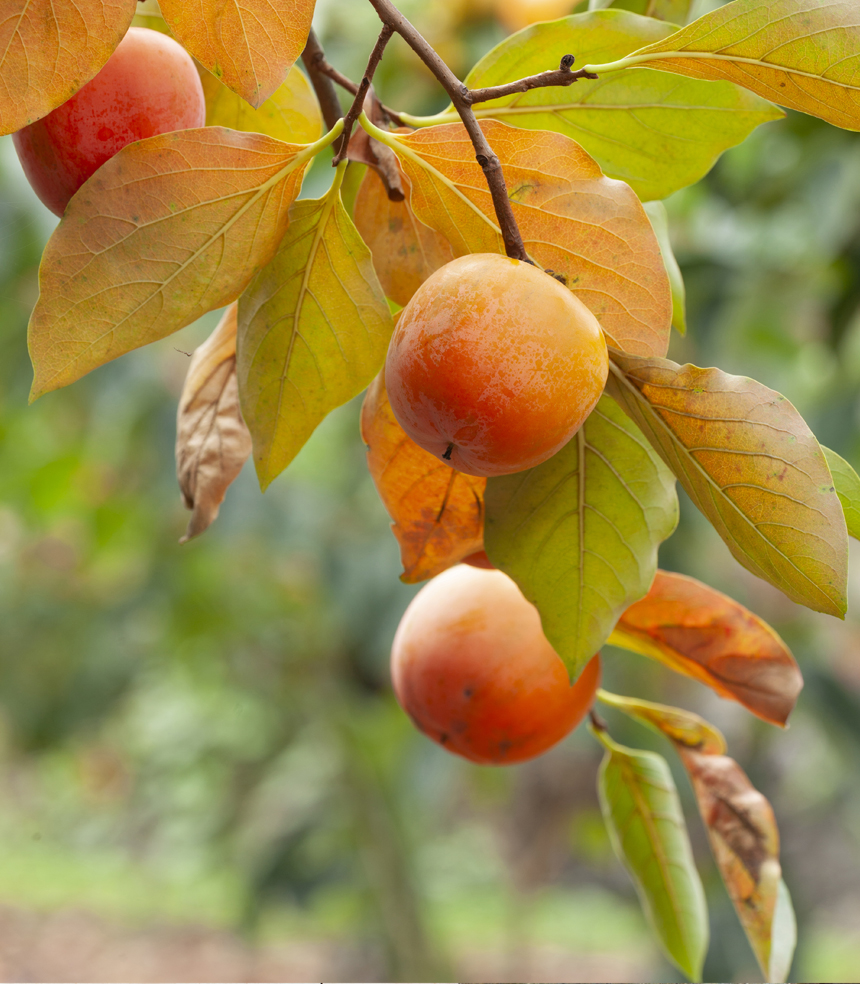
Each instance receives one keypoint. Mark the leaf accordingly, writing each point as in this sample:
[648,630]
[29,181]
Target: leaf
[212,441]
[705,635]
[313,330]
[751,465]
[405,251]
[681,727]
[847,484]
[803,54]
[292,112]
[579,533]
[50,50]
[783,936]
[676,11]
[645,823]
[250,46]
[745,840]
[438,512]
[660,222]
[168,229]
[654,131]
[584,227]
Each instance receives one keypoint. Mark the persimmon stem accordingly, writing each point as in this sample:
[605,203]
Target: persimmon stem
[563,76]
[314,60]
[461,98]
[385,36]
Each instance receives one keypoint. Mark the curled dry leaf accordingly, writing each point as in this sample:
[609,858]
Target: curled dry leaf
[438,512]
[48,51]
[212,441]
[745,840]
[704,634]
[250,46]
[405,251]
[589,230]
[751,465]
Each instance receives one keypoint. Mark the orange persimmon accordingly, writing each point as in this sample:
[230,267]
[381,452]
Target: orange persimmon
[471,666]
[494,365]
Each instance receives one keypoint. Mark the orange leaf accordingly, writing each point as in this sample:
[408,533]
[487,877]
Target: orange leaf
[438,512]
[250,46]
[49,50]
[745,840]
[586,228]
[703,634]
[212,441]
[168,229]
[404,250]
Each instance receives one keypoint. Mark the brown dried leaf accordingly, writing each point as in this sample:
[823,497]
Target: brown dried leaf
[745,840]
[590,230]
[212,441]
[50,50]
[438,512]
[753,467]
[250,46]
[405,251]
[707,636]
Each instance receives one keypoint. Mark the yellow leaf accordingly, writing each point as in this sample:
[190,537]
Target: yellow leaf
[212,441]
[313,330]
[438,512]
[803,54]
[50,49]
[687,730]
[591,231]
[168,229]
[751,465]
[292,112]
[250,46]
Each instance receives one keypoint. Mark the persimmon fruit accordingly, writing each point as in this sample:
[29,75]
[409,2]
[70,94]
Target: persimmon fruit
[517,14]
[472,668]
[148,86]
[494,365]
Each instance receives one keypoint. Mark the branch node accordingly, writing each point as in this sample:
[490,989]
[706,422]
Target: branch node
[567,61]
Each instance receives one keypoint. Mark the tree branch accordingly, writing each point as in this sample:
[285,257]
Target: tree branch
[364,86]
[563,76]
[314,60]
[460,97]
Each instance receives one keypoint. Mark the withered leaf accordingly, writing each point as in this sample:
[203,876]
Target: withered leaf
[745,840]
[704,634]
[438,512]
[212,441]
[683,728]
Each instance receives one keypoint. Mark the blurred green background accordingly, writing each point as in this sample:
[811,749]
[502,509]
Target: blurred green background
[201,756]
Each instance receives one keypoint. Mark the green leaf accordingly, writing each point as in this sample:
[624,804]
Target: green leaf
[646,128]
[675,11]
[660,222]
[783,937]
[847,484]
[803,54]
[646,825]
[313,330]
[751,464]
[579,533]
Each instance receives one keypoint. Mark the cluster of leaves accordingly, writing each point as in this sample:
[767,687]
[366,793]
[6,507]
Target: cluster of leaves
[183,223]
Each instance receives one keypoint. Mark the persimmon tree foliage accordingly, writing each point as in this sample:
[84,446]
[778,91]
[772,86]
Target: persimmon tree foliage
[556,150]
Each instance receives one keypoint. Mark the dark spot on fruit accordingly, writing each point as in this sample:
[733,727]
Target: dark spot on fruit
[448,451]
[468,692]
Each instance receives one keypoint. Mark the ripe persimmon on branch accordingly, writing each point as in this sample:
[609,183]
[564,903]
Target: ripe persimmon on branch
[492,366]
